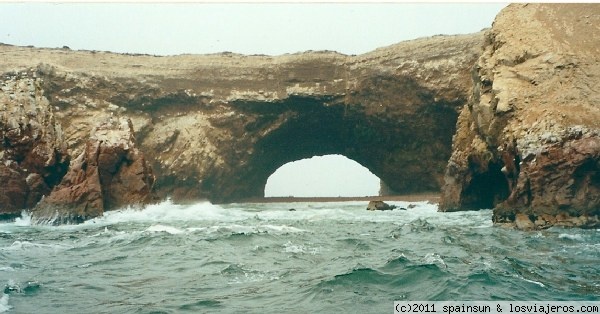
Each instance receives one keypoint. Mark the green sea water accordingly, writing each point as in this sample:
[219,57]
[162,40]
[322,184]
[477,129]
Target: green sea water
[264,258]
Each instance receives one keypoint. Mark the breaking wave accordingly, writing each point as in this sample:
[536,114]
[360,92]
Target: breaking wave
[320,257]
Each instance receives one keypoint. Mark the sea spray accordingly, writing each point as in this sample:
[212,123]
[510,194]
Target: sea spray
[322,257]
[4,306]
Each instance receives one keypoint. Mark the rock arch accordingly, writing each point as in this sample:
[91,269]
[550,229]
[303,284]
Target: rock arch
[216,126]
[408,156]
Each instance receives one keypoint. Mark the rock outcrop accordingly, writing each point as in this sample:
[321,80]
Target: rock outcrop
[110,173]
[33,155]
[528,142]
[379,205]
[217,126]
[524,111]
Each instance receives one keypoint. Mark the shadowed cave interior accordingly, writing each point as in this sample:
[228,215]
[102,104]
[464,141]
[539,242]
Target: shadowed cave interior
[310,127]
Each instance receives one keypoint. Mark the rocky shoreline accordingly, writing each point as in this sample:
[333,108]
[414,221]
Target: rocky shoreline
[217,126]
[507,119]
[528,142]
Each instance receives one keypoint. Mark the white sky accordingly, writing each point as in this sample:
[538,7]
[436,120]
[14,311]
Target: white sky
[248,28]
[330,175]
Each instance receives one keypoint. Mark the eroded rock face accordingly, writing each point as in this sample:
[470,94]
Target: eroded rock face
[110,173]
[217,126]
[379,205]
[528,142]
[33,155]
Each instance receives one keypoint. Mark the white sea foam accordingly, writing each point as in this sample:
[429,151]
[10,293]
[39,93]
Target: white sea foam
[24,220]
[250,277]
[290,247]
[435,259]
[163,228]
[530,281]
[231,229]
[6,268]
[280,229]
[244,229]
[168,214]
[4,307]
[167,211]
[26,245]
[122,236]
[573,237]
[343,211]
[11,227]
[234,228]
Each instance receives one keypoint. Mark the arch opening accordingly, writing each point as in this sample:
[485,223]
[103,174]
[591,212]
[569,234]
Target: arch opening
[301,128]
[322,176]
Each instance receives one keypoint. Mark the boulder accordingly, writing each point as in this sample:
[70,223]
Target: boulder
[379,205]
[110,173]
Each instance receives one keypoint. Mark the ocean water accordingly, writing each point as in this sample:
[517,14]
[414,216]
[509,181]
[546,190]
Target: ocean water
[264,258]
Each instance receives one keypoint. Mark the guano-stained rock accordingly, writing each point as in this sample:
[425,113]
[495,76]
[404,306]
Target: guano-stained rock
[217,126]
[33,155]
[528,142]
[525,119]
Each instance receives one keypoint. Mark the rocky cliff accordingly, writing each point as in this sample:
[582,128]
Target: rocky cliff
[521,99]
[33,154]
[110,173]
[216,126]
[528,142]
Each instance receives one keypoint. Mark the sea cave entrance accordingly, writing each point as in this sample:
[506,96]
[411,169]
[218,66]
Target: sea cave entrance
[322,176]
[402,156]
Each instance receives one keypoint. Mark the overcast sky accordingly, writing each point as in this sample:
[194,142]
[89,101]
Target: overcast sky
[249,28]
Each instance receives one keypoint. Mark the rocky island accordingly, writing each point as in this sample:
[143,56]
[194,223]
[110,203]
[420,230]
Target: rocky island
[527,143]
[504,119]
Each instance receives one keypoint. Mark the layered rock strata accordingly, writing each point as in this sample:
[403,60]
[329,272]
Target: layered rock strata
[217,126]
[33,154]
[109,173]
[528,142]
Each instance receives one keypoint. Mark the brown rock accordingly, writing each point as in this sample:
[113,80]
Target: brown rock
[523,222]
[528,142]
[544,221]
[33,156]
[37,189]
[379,205]
[110,173]
[217,126]
[14,192]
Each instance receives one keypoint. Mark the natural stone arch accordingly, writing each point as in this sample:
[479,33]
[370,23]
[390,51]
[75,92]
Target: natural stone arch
[216,126]
[316,131]
[408,157]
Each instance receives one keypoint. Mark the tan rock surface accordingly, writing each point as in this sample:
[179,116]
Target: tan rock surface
[528,143]
[217,126]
